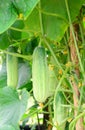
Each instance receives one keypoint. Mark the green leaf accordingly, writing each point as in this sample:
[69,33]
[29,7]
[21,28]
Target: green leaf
[4,40]
[14,32]
[25,6]
[8,15]
[7,127]
[33,20]
[24,74]
[12,105]
[28,47]
[10,10]
[55,20]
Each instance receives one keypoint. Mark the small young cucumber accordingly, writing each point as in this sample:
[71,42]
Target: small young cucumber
[12,68]
[60,112]
[52,80]
[40,74]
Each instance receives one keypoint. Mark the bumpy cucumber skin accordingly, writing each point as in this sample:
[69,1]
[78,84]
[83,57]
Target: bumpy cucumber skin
[12,69]
[60,112]
[40,74]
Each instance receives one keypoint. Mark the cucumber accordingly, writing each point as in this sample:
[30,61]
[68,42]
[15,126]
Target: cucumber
[52,80]
[60,112]
[40,74]
[12,68]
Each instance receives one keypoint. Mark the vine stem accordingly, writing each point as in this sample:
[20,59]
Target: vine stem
[42,33]
[72,124]
[40,17]
[74,37]
[38,121]
[75,57]
[17,55]
[53,54]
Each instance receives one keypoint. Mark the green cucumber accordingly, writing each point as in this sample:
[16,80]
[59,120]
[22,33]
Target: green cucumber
[52,80]
[12,68]
[40,74]
[60,112]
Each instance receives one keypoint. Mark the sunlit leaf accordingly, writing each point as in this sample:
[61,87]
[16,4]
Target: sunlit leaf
[7,127]
[12,105]
[25,6]
[8,15]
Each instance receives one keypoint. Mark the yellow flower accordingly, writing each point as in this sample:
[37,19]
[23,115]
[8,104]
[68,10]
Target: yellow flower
[60,72]
[51,67]
[41,105]
[70,119]
[65,52]
[83,19]
[72,78]
[20,16]
[79,84]
[68,64]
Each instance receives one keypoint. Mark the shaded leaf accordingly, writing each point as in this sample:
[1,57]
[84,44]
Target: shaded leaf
[14,34]
[24,73]
[4,40]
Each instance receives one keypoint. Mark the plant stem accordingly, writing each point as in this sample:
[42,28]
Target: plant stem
[17,55]
[72,124]
[74,37]
[41,21]
[53,54]
[75,58]
[38,121]
[76,95]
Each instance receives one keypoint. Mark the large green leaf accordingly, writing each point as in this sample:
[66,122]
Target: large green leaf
[10,9]
[32,23]
[7,127]
[25,6]
[55,17]
[12,105]
[8,15]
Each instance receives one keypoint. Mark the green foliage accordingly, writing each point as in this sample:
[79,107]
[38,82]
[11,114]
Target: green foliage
[4,40]
[24,72]
[10,103]
[8,15]
[7,127]
[25,6]
[15,35]
[10,10]
[34,27]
